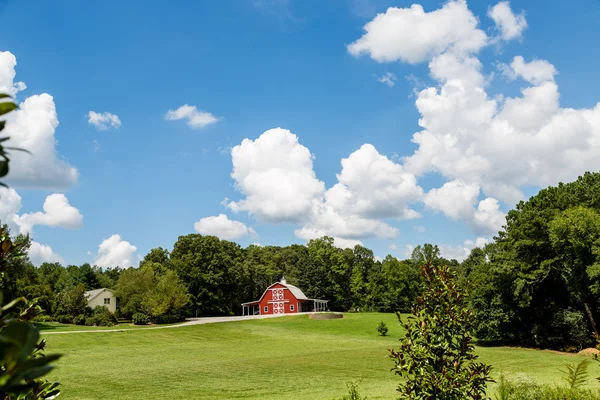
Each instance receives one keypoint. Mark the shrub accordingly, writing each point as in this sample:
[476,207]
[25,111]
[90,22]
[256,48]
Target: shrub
[529,390]
[64,319]
[79,320]
[168,319]
[436,356]
[382,328]
[140,319]
[353,392]
[90,321]
[104,317]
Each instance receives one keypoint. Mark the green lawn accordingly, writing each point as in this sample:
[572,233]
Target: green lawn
[281,358]
[58,327]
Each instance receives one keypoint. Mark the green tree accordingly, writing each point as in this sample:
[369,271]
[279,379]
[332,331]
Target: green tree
[575,237]
[211,269]
[437,355]
[167,297]
[71,302]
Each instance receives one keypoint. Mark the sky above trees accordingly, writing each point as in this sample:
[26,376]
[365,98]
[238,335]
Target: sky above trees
[279,121]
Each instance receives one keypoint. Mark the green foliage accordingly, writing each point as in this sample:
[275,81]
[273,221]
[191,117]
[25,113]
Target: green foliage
[437,355]
[101,316]
[576,375]
[79,320]
[145,291]
[140,319]
[382,328]
[539,283]
[353,393]
[529,390]
[72,302]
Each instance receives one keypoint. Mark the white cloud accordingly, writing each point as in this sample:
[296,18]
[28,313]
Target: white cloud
[10,204]
[275,173]
[7,74]
[388,79]
[511,26]
[371,185]
[393,246]
[41,253]
[57,213]
[460,252]
[114,252]
[32,127]
[413,35]
[103,121]
[195,118]
[535,72]
[222,227]
[457,200]
[419,229]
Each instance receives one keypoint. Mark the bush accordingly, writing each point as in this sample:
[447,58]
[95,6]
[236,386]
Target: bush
[90,321]
[64,319]
[353,392]
[104,317]
[168,319]
[529,390]
[140,319]
[79,320]
[436,356]
[382,328]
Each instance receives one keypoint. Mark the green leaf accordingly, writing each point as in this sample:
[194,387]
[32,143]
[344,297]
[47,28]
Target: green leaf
[4,96]
[4,168]
[7,107]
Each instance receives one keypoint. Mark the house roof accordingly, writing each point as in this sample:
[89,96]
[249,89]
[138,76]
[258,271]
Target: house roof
[92,294]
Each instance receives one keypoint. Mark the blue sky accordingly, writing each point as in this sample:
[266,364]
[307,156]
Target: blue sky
[257,65]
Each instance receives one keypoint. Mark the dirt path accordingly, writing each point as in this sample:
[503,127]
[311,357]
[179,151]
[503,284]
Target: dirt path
[188,322]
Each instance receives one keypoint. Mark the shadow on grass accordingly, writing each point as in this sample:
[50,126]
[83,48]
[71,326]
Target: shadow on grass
[42,326]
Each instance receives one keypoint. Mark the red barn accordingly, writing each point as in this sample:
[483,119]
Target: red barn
[282,298]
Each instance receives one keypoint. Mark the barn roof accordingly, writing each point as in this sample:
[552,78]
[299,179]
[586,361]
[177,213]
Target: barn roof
[298,294]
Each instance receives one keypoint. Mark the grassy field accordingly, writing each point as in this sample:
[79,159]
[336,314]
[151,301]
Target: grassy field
[281,358]
[58,327]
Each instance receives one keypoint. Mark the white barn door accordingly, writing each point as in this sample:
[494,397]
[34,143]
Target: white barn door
[279,308]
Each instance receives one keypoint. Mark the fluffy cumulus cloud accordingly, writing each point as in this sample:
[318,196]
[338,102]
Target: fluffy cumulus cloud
[32,127]
[103,121]
[488,148]
[460,252]
[10,204]
[194,118]
[7,74]
[413,35]
[223,227]
[459,201]
[57,213]
[41,253]
[115,252]
[510,25]
[275,174]
[535,71]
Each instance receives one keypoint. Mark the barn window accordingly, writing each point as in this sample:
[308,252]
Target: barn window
[266,308]
[292,307]
[107,300]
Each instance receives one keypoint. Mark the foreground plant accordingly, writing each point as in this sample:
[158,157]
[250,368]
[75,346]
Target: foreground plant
[22,359]
[436,357]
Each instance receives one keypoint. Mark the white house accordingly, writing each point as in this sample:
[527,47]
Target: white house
[101,297]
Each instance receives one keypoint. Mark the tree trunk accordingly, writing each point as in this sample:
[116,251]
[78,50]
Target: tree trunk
[588,310]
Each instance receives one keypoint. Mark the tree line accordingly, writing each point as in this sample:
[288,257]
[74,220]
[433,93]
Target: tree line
[537,284]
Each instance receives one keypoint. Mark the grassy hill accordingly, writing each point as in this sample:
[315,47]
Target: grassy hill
[282,358]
